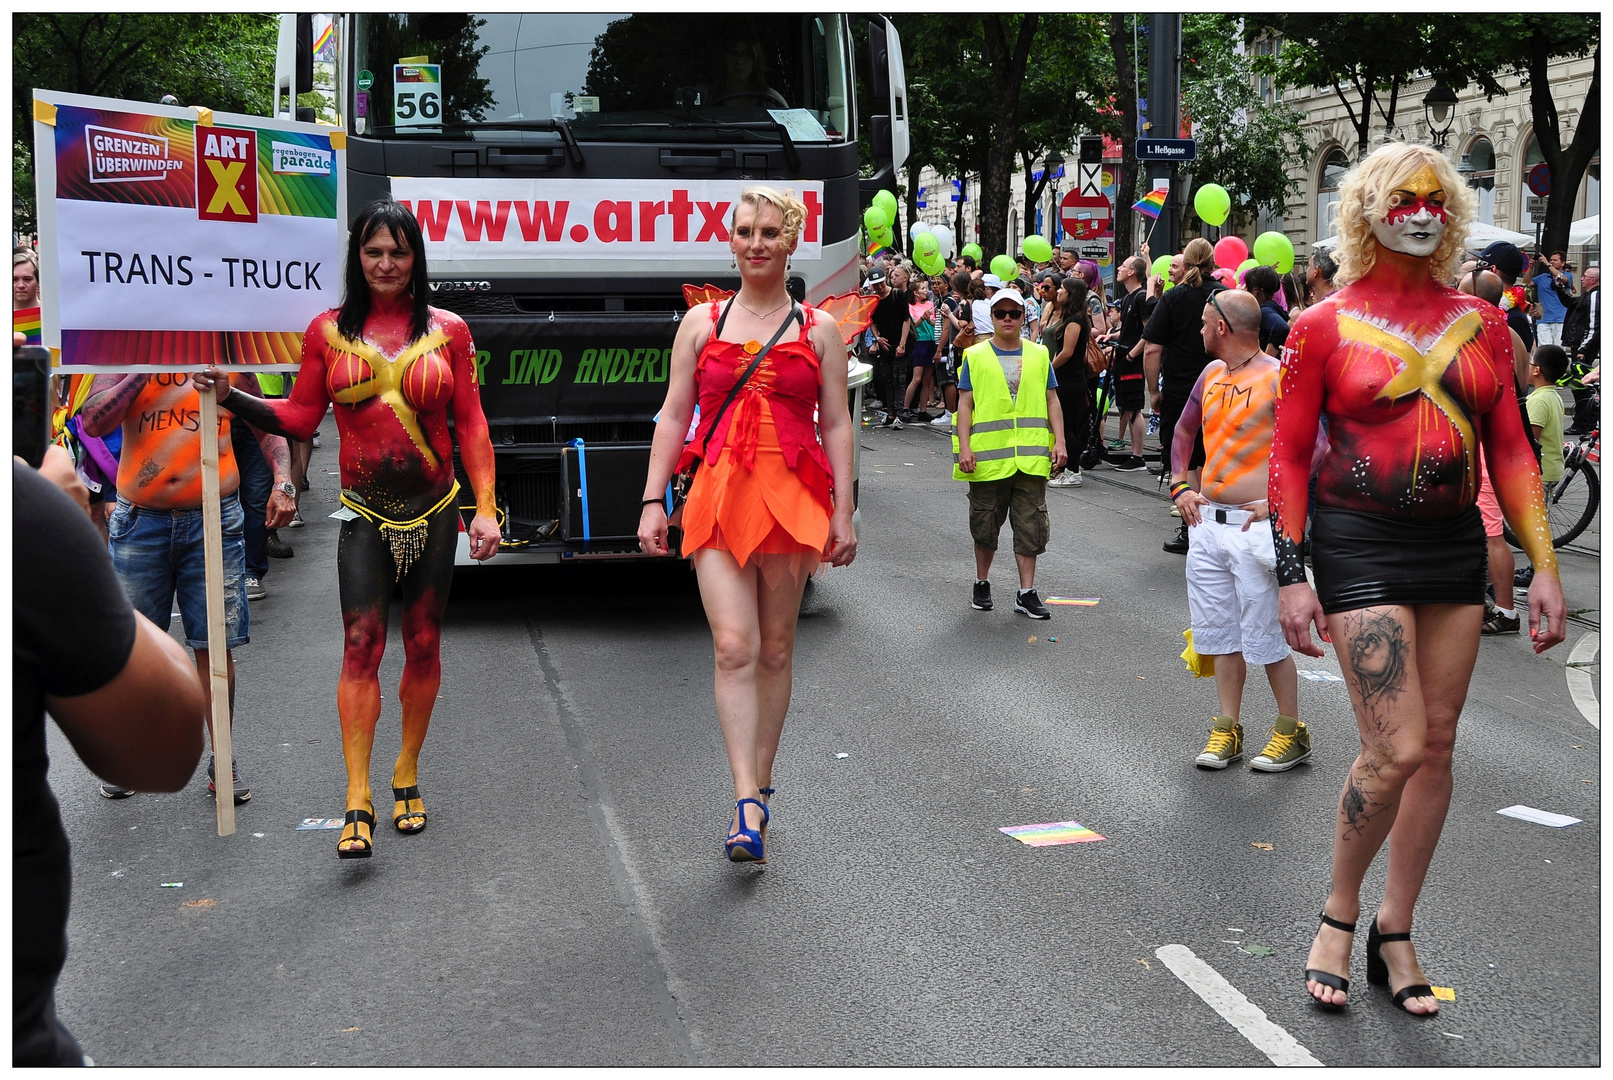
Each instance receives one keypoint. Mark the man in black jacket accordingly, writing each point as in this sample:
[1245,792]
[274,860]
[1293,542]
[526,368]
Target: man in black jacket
[1582,337]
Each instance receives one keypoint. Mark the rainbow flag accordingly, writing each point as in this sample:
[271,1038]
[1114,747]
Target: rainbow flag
[26,321]
[1152,203]
[1051,833]
[326,38]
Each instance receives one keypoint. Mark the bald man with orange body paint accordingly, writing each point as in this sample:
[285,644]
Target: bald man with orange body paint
[1231,568]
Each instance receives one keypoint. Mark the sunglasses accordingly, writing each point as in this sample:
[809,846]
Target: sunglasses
[1217,304]
[1008,313]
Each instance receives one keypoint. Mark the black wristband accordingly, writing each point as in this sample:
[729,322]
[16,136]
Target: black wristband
[652,502]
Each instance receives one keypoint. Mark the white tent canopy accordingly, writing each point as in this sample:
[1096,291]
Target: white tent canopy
[1586,232]
[1479,237]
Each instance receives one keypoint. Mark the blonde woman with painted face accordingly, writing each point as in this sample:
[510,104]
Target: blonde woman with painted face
[772,495]
[1415,379]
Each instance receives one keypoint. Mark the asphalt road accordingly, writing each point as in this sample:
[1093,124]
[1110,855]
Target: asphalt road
[569,903]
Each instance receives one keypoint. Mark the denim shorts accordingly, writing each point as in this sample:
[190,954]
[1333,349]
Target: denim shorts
[159,554]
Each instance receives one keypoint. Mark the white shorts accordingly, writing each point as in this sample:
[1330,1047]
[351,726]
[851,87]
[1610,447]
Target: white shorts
[1232,587]
[1548,333]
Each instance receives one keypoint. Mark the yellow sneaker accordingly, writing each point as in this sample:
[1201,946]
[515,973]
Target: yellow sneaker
[1225,745]
[1290,744]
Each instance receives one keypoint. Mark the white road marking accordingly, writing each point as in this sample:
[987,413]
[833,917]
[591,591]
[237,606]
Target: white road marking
[1581,687]
[1235,1009]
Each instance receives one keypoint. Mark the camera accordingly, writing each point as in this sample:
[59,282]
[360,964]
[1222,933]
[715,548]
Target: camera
[30,403]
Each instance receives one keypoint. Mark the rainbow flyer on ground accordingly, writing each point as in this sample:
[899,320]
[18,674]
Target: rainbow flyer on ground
[179,237]
[1073,601]
[1051,834]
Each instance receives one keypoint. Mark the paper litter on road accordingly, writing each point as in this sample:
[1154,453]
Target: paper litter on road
[173,884]
[1259,950]
[1444,993]
[842,755]
[1321,676]
[1539,817]
[1050,834]
[311,823]
[1073,601]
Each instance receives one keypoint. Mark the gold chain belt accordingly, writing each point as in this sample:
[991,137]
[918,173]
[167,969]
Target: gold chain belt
[407,539]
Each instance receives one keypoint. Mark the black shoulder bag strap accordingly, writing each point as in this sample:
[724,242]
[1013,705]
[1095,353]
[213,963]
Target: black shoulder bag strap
[739,383]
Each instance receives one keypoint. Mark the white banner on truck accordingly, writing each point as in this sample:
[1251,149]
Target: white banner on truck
[487,218]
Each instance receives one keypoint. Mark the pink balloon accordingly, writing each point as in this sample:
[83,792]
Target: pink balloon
[1230,251]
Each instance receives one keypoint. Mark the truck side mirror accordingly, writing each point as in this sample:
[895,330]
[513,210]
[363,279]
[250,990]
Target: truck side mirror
[305,56]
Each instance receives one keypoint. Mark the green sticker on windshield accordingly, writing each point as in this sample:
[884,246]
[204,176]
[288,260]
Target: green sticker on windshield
[365,80]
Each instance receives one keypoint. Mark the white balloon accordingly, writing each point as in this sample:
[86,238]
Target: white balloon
[918,227]
[943,234]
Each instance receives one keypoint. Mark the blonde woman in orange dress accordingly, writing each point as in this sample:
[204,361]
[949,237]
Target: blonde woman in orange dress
[772,497]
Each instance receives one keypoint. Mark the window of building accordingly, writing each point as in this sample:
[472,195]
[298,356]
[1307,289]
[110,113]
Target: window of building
[1593,188]
[1481,159]
[1327,194]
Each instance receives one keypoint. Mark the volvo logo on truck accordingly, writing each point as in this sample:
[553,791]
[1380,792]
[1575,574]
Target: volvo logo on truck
[461,286]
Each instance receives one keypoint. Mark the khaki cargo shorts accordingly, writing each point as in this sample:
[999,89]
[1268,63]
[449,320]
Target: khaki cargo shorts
[1021,500]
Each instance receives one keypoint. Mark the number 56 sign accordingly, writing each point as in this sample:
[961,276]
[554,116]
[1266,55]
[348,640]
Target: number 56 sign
[416,94]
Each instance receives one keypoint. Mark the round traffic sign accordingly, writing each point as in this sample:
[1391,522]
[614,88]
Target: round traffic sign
[365,80]
[1085,217]
[1540,179]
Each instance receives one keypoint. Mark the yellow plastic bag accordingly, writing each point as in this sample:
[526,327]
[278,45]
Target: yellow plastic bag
[1201,667]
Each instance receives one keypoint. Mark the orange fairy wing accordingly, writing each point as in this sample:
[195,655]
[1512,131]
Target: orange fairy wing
[851,311]
[704,294]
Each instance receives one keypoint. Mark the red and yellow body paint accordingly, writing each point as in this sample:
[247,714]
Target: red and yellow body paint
[1412,381]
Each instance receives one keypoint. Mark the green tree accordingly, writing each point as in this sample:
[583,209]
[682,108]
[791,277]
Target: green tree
[1244,144]
[1067,85]
[223,61]
[1365,59]
[1524,45]
[1122,34]
[990,94]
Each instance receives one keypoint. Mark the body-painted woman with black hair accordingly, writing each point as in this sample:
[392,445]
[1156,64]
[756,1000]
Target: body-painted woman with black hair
[396,370]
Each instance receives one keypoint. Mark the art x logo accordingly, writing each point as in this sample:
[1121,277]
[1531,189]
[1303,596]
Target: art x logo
[226,174]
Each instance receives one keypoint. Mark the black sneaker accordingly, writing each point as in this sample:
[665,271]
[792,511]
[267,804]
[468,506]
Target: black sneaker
[1177,545]
[1131,464]
[278,548]
[242,793]
[1497,623]
[1523,577]
[1026,602]
[112,791]
[982,597]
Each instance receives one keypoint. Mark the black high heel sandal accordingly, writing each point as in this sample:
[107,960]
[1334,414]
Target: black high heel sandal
[406,795]
[356,818]
[1378,971]
[767,798]
[1327,978]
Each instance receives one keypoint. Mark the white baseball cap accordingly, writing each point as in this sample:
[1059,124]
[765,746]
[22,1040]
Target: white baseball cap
[1007,294]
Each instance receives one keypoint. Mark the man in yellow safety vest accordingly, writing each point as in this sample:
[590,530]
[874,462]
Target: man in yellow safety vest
[1009,439]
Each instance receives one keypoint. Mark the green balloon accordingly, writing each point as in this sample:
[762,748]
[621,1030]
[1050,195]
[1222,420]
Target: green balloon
[875,218]
[886,202]
[1004,267]
[1275,250]
[1162,267]
[1248,264]
[972,251]
[925,244]
[1036,249]
[932,265]
[1212,203]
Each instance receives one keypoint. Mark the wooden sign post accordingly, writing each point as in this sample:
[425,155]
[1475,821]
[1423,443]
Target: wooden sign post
[111,176]
[218,654]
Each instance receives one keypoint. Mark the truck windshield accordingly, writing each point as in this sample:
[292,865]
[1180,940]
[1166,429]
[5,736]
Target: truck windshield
[609,77]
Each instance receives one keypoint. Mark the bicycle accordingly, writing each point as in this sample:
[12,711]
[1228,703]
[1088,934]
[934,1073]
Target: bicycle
[1572,501]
